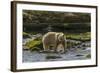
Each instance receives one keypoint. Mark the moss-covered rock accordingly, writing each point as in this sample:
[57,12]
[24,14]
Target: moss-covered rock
[34,45]
[88,56]
[26,35]
[79,36]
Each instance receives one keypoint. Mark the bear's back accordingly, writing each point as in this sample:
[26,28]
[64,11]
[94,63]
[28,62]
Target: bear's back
[49,37]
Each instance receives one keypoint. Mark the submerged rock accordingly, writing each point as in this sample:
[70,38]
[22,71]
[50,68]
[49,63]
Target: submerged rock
[79,55]
[53,57]
[88,56]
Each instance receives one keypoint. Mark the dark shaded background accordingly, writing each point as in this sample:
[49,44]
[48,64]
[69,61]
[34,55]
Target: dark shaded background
[44,21]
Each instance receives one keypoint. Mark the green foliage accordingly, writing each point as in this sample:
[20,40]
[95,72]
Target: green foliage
[79,36]
[32,16]
[39,20]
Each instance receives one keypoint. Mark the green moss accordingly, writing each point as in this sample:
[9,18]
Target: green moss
[34,45]
[88,56]
[33,33]
[25,35]
[79,36]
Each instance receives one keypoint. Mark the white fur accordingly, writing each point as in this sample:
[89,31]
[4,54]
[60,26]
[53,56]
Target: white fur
[51,39]
[60,48]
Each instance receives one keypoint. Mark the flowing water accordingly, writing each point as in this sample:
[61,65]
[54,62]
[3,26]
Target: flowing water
[74,53]
[77,54]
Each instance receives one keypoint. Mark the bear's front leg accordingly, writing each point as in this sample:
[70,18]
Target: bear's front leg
[46,48]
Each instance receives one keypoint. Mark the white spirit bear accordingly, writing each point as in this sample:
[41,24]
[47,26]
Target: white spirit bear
[52,40]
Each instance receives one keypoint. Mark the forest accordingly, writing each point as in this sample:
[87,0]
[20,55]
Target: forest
[43,21]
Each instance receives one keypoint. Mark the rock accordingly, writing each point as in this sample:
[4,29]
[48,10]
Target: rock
[79,55]
[88,56]
[53,57]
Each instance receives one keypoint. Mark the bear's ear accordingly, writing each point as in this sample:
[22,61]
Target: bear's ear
[61,37]
[61,34]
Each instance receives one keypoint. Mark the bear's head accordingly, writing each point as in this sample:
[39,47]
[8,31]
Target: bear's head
[60,37]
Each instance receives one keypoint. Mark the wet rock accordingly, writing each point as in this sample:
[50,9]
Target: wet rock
[53,57]
[83,48]
[88,56]
[79,55]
